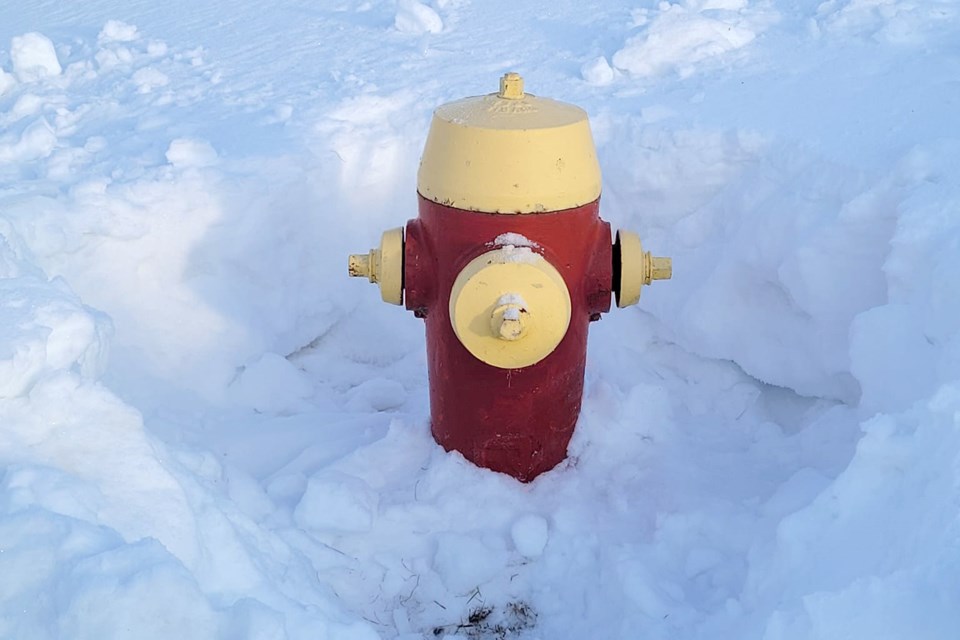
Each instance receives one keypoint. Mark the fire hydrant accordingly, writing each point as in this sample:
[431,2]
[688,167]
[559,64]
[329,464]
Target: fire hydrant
[508,263]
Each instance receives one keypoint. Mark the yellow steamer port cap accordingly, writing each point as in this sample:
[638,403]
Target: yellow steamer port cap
[510,307]
[509,152]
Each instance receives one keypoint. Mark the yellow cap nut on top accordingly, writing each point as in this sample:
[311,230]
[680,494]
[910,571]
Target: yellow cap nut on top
[509,152]
[511,86]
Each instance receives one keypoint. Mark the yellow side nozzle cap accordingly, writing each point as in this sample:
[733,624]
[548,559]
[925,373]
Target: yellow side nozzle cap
[636,268]
[383,266]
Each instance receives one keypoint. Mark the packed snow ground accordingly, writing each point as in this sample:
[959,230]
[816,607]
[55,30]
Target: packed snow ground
[208,431]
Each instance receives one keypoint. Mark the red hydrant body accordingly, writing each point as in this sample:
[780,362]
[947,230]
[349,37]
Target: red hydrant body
[508,262]
[517,421]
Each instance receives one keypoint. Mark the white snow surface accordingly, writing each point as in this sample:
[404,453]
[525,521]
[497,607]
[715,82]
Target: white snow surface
[208,431]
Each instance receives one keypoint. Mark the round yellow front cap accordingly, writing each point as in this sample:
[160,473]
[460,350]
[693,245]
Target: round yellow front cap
[510,307]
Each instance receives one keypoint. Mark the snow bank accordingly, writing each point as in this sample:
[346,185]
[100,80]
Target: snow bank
[96,513]
[845,552]
[45,327]
[898,22]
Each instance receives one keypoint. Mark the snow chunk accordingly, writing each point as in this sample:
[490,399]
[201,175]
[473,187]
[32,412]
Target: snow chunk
[466,562]
[148,79]
[376,394]
[117,31]
[34,57]
[28,104]
[898,22]
[530,535]
[272,384]
[108,594]
[44,329]
[513,239]
[6,82]
[513,254]
[597,72]
[74,579]
[417,18]
[37,141]
[109,58]
[512,313]
[682,36]
[157,48]
[891,333]
[336,502]
[187,152]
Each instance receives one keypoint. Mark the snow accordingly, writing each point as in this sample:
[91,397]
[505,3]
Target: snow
[209,432]
[513,300]
[685,36]
[509,253]
[184,152]
[417,18]
[336,502]
[6,82]
[530,535]
[271,384]
[33,57]
[513,239]
[117,31]
[598,72]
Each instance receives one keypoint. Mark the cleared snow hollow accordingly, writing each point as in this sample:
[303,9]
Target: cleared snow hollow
[209,432]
